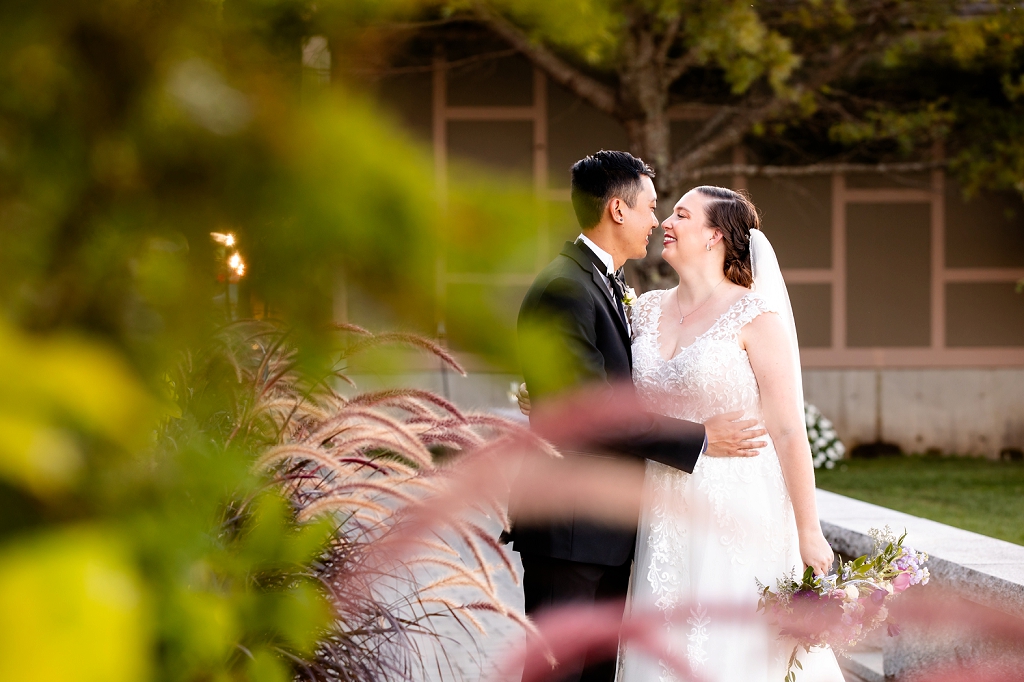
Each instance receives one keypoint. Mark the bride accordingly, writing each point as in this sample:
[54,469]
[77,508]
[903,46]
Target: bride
[722,341]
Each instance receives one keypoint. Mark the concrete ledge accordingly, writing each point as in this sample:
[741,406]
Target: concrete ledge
[979,568]
[863,666]
[972,567]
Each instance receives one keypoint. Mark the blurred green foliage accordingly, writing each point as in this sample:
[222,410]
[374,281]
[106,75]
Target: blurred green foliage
[135,540]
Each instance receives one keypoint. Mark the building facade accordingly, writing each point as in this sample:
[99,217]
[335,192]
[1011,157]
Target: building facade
[904,292]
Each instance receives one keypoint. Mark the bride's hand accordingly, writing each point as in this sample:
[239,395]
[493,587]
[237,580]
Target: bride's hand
[815,552]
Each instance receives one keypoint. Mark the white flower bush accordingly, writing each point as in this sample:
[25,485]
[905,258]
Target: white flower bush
[826,448]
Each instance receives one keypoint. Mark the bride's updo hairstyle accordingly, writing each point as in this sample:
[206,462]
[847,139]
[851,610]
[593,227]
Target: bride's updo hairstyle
[734,214]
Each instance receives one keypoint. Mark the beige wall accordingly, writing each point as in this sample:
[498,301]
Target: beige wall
[902,289]
[965,411]
[962,411]
[885,271]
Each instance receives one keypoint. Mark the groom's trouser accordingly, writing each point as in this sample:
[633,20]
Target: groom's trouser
[551,582]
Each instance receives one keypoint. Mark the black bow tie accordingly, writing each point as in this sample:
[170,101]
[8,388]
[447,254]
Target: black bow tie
[619,277]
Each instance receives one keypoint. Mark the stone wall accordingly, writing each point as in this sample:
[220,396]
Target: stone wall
[964,411]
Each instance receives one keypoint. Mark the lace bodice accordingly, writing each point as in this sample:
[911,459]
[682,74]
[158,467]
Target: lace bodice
[710,376]
[706,538]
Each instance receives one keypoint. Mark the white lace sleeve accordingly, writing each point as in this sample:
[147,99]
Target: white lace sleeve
[742,313]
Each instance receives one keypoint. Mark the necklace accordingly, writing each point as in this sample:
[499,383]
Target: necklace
[679,306]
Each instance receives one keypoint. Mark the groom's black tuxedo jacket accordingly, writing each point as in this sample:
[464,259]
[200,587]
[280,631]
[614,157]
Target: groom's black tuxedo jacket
[570,299]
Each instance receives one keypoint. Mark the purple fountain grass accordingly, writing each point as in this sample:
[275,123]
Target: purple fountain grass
[365,463]
[405,339]
[570,634]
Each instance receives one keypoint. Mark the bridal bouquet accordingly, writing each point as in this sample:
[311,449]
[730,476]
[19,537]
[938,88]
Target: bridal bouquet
[839,610]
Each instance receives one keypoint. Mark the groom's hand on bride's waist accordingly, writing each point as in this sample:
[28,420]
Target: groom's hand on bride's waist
[731,436]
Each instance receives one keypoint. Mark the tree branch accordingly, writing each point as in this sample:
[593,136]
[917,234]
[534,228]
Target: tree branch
[713,124]
[811,169]
[677,67]
[667,40]
[730,135]
[599,95]
[739,127]
[426,68]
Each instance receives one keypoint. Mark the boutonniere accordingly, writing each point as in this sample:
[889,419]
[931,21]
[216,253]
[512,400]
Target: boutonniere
[628,297]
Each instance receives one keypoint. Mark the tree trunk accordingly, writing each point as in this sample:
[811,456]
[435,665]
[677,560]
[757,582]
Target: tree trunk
[643,111]
[650,139]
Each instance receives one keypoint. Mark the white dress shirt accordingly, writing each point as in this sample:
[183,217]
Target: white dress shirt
[605,257]
[609,263]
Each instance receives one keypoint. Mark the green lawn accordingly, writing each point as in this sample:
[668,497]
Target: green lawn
[976,494]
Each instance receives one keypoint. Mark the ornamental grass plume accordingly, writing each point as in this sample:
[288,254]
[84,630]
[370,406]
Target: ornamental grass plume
[370,465]
[404,475]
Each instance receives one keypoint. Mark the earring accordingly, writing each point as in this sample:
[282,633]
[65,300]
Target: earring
[708,245]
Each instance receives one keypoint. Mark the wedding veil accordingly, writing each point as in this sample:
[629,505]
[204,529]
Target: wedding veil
[770,285]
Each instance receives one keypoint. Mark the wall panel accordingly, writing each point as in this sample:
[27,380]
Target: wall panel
[502,145]
[920,180]
[986,231]
[888,256]
[681,131]
[408,96]
[505,81]
[576,129]
[562,226]
[812,308]
[984,314]
[797,217]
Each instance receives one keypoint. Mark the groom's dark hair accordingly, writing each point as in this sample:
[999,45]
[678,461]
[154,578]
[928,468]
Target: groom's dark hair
[598,178]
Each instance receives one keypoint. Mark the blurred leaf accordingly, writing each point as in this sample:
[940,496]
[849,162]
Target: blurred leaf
[207,628]
[73,610]
[299,614]
[266,667]
[74,380]
[589,28]
[36,455]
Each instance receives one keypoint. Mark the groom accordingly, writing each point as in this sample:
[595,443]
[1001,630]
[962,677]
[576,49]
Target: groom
[578,299]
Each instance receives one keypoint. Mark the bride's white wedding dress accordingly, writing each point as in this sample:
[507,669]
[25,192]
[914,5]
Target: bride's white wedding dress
[704,537]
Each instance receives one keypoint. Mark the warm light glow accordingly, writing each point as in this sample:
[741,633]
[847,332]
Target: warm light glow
[236,263]
[225,239]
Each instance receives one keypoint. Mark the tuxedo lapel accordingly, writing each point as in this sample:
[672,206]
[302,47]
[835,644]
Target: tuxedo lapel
[585,258]
[602,284]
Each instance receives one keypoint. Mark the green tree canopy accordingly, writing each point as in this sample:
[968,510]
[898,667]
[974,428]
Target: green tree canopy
[815,85]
